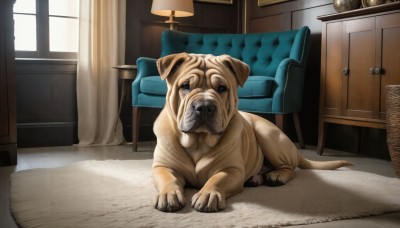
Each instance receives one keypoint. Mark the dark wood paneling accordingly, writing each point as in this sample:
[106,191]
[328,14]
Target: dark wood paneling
[46,103]
[283,14]
[143,29]
[150,38]
[47,134]
[276,22]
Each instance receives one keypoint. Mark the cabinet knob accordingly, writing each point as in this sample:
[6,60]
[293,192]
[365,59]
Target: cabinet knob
[345,71]
[379,71]
[376,70]
[372,70]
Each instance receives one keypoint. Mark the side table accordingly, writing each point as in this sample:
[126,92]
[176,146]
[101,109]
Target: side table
[126,73]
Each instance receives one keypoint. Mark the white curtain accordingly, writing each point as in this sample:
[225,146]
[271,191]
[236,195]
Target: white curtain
[101,46]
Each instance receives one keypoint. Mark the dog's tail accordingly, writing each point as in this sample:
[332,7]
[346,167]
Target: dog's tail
[326,165]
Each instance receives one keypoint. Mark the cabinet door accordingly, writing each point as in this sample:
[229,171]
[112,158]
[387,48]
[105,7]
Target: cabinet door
[331,80]
[388,55]
[360,86]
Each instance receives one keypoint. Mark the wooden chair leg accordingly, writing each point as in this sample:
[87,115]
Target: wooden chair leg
[135,127]
[296,121]
[279,121]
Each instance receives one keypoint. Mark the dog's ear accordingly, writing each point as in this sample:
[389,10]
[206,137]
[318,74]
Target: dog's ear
[240,69]
[168,64]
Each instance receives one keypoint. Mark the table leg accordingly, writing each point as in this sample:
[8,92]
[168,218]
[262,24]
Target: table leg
[121,100]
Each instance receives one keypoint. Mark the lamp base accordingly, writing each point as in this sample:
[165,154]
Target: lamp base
[173,25]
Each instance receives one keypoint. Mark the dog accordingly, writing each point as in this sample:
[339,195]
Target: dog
[205,142]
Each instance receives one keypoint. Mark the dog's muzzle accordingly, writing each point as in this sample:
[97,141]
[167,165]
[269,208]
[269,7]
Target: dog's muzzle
[200,117]
[204,109]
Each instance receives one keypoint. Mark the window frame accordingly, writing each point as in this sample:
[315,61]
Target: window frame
[43,36]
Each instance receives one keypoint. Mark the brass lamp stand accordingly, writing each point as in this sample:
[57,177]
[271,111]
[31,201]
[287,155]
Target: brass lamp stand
[172,9]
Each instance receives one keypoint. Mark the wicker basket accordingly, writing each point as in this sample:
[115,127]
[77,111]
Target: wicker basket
[393,124]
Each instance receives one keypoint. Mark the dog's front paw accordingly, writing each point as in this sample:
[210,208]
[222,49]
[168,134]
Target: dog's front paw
[208,201]
[169,201]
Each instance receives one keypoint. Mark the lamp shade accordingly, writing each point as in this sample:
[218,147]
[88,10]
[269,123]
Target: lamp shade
[182,8]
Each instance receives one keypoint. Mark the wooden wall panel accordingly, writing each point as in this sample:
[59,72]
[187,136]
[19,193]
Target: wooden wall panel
[276,22]
[143,29]
[46,103]
[150,33]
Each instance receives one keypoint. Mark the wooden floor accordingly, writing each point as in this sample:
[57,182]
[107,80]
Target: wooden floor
[30,158]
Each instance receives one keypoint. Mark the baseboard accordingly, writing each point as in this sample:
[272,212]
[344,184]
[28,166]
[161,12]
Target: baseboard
[47,134]
[65,134]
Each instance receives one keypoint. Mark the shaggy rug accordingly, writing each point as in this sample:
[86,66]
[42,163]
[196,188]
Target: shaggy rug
[118,193]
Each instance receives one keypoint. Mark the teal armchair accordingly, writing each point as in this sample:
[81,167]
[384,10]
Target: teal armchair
[277,62]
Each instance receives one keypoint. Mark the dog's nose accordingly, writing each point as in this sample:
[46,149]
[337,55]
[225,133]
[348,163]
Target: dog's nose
[204,109]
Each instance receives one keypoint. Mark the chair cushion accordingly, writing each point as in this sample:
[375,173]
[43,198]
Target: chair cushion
[150,101]
[153,85]
[257,86]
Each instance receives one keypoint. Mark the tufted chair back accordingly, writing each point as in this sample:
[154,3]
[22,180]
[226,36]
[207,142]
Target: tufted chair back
[262,52]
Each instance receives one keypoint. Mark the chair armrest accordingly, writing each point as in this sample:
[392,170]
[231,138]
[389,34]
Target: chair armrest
[288,95]
[145,67]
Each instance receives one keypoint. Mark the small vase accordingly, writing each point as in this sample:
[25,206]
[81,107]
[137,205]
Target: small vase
[393,125]
[367,3]
[346,5]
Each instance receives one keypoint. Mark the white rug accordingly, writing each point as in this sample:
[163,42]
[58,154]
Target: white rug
[119,193]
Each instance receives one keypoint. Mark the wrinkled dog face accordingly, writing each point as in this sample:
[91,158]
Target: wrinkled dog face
[205,95]
[202,91]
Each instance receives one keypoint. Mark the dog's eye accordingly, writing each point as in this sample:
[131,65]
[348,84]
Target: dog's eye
[221,89]
[185,86]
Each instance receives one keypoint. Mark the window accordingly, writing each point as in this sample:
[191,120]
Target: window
[46,28]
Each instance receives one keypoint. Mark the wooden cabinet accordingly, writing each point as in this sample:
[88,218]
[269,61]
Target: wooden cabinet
[8,134]
[360,56]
